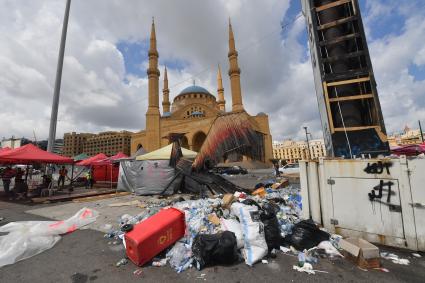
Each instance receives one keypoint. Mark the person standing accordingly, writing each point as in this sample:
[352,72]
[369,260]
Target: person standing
[7,176]
[89,180]
[62,174]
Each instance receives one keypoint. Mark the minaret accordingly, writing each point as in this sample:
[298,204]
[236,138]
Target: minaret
[234,73]
[220,91]
[165,94]
[152,115]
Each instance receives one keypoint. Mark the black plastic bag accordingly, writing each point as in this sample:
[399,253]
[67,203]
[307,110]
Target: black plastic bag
[271,226]
[306,235]
[212,249]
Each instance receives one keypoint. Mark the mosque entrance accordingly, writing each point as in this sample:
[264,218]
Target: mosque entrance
[184,142]
[198,140]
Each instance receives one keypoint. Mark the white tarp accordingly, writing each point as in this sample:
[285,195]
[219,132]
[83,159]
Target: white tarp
[165,153]
[148,177]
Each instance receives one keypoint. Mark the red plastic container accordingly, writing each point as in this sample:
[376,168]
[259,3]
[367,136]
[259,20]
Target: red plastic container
[153,235]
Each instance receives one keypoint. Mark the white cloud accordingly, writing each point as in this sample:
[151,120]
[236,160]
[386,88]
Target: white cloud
[98,95]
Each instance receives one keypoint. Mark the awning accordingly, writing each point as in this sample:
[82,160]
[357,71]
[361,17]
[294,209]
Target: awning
[165,153]
[4,149]
[110,160]
[29,154]
[91,160]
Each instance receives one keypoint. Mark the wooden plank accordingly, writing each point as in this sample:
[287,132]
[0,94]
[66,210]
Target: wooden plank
[339,39]
[351,97]
[352,129]
[328,107]
[100,197]
[331,5]
[346,82]
[336,23]
[71,196]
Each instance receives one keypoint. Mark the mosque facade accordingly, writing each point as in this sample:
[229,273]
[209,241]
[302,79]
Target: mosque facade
[194,109]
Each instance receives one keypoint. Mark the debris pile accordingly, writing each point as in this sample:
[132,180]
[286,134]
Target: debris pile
[230,228]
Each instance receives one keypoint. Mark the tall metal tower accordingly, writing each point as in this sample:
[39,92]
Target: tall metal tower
[56,93]
[346,92]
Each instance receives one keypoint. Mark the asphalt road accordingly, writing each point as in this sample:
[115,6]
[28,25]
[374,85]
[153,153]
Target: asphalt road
[86,256]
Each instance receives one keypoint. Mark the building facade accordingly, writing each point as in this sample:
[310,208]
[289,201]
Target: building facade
[109,143]
[194,109]
[408,136]
[11,143]
[73,143]
[291,151]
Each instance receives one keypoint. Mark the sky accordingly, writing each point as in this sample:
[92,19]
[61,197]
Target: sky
[104,84]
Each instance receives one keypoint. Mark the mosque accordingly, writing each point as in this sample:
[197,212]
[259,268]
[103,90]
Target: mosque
[194,109]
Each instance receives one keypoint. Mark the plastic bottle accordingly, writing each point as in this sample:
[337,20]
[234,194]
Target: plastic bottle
[301,259]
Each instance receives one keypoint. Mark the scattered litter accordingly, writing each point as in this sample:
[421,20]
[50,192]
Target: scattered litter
[416,255]
[159,263]
[28,238]
[1,218]
[265,261]
[395,258]
[123,261]
[138,272]
[107,227]
[284,249]
[382,269]
[307,268]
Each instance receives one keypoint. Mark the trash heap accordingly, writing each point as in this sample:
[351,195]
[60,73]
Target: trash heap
[230,228]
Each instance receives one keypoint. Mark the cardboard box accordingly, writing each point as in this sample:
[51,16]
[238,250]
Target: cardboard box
[228,199]
[363,253]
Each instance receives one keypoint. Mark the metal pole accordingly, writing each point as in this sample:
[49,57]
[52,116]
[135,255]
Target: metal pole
[55,103]
[420,129]
[308,146]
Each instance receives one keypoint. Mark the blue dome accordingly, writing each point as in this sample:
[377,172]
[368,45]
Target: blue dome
[194,89]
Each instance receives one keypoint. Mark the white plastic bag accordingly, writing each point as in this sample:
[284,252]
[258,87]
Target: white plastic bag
[234,226]
[28,238]
[255,246]
[329,249]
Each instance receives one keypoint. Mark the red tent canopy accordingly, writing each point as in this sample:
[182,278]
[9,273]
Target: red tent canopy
[4,149]
[110,160]
[91,160]
[29,154]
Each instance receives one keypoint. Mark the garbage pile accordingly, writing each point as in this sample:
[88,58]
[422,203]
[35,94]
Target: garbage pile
[231,228]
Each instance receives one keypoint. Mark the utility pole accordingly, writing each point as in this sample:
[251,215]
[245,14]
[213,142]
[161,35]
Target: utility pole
[56,93]
[308,146]
[420,129]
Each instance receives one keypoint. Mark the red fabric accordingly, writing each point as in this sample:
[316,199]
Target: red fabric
[4,149]
[91,160]
[102,173]
[110,160]
[29,154]
[409,150]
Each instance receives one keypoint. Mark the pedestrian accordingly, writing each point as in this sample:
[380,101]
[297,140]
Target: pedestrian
[62,174]
[19,176]
[89,179]
[21,188]
[7,176]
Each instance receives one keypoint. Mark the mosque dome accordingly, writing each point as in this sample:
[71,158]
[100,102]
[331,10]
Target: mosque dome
[194,89]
